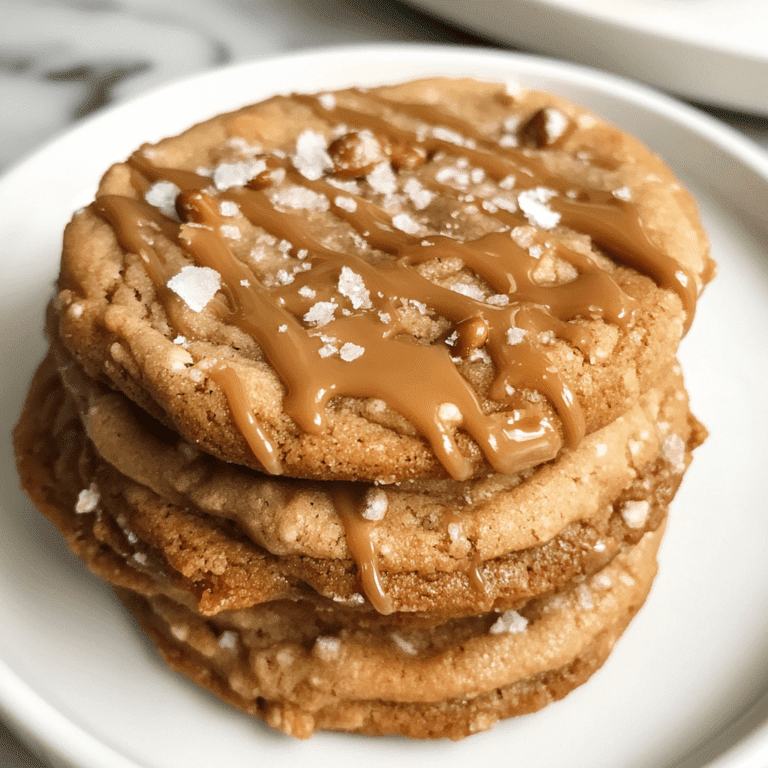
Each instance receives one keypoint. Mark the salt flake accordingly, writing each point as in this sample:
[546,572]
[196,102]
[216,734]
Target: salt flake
[635,513]
[87,500]
[311,158]
[533,203]
[320,314]
[510,622]
[382,179]
[406,224]
[375,505]
[350,352]
[196,286]
[238,174]
[163,195]
[352,286]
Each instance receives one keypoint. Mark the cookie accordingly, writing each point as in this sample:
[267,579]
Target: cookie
[367,402]
[301,672]
[427,280]
[426,550]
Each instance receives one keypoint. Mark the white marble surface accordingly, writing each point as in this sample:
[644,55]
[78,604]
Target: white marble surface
[64,59]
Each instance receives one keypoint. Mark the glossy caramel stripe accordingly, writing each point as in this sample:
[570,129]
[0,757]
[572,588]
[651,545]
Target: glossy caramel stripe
[387,363]
[519,368]
[347,501]
[612,224]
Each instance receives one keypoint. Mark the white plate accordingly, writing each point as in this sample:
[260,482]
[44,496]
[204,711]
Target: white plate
[688,683]
[713,51]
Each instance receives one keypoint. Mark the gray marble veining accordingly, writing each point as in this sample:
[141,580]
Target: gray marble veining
[62,60]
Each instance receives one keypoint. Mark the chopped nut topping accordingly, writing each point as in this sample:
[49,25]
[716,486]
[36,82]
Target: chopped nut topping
[355,154]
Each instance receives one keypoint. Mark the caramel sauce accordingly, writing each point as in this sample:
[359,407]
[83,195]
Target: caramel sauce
[420,381]
[347,501]
[613,224]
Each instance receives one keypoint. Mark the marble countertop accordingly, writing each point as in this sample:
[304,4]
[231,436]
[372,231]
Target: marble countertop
[63,60]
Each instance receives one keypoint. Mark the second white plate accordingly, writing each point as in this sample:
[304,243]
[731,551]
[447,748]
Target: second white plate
[712,51]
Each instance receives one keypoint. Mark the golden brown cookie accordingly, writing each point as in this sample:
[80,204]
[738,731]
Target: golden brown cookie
[300,671]
[188,514]
[367,402]
[430,279]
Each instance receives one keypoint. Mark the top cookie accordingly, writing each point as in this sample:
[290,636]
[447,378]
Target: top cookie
[435,278]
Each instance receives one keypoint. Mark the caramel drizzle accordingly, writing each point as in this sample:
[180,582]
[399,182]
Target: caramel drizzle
[613,224]
[512,440]
[347,501]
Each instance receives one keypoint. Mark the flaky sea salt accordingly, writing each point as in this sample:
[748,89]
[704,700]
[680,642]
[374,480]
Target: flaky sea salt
[406,646]
[375,505]
[533,203]
[346,203]
[321,313]
[311,158]
[327,648]
[346,185]
[300,198]
[585,597]
[230,231]
[87,500]
[515,335]
[510,622]
[635,513]
[196,286]
[228,640]
[162,195]
[454,532]
[418,194]
[237,174]
[327,100]
[350,352]
[406,224]
[673,450]
[600,450]
[353,287]
[382,179]
[555,124]
[505,202]
[468,289]
[602,581]
[453,175]
[307,292]
[229,208]
[623,193]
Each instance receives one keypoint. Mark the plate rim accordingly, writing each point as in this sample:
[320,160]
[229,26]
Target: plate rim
[694,45]
[26,711]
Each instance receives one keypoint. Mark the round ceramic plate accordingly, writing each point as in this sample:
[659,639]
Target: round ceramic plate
[713,51]
[687,686]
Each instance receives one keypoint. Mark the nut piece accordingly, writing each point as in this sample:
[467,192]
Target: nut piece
[355,154]
[406,156]
[546,128]
[472,334]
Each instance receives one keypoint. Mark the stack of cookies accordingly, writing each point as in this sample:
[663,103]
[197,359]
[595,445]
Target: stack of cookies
[367,403]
